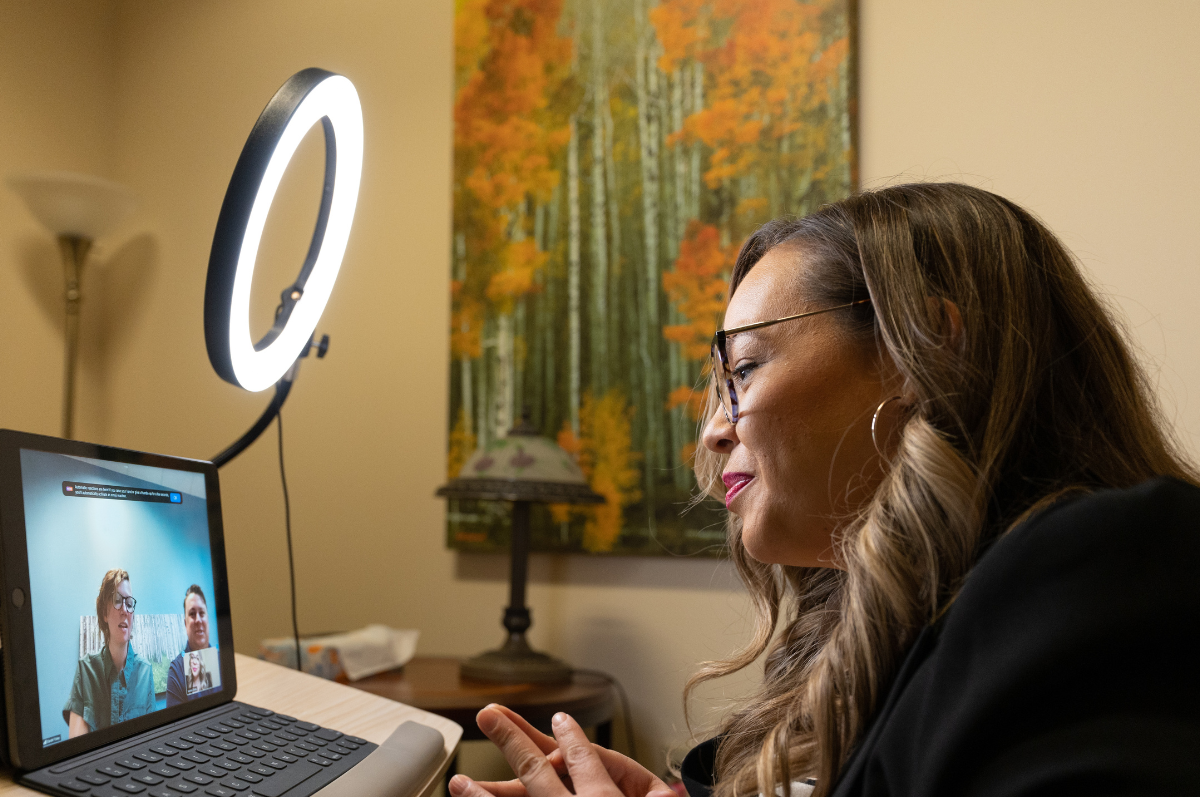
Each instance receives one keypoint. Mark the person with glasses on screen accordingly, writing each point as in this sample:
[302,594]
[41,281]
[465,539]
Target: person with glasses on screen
[969,536]
[114,684]
[195,623]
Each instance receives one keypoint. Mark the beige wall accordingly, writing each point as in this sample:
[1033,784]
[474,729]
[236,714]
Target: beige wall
[1080,110]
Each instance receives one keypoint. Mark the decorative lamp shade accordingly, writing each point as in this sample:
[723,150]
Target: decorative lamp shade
[522,467]
[76,205]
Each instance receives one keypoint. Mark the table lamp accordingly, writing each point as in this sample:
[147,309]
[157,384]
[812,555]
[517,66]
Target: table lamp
[523,467]
[78,209]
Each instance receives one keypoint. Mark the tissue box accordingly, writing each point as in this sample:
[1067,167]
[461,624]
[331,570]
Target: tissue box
[345,657]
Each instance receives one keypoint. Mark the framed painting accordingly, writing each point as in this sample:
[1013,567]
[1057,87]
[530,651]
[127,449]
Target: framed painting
[609,158]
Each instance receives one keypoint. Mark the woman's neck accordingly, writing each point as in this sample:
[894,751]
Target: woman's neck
[118,651]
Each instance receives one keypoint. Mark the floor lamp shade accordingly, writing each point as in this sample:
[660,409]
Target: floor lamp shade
[73,205]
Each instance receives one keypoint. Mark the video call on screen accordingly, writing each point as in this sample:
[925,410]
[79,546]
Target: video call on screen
[121,590]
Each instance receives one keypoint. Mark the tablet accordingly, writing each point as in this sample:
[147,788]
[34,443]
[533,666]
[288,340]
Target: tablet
[114,594]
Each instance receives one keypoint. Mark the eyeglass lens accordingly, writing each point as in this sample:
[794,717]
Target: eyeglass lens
[721,375]
[129,602]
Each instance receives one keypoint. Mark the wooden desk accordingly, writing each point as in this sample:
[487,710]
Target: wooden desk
[324,702]
[433,683]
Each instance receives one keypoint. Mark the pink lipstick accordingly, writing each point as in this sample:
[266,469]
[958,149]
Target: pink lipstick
[734,484]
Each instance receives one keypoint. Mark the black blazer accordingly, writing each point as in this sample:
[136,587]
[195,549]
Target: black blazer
[1069,664]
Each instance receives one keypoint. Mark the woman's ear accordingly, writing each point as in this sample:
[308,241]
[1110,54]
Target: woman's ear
[949,318]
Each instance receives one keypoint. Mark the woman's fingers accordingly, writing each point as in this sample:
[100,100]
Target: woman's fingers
[522,753]
[503,788]
[545,743]
[584,765]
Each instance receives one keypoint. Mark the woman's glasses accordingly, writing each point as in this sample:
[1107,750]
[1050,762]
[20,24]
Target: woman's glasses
[128,603]
[720,358]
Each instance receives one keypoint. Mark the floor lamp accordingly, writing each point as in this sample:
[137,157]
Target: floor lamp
[78,209]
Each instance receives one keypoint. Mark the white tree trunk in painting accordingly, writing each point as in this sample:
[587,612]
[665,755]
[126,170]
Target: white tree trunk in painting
[599,325]
[573,272]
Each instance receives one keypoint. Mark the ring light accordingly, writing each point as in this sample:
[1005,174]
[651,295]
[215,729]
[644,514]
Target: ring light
[308,97]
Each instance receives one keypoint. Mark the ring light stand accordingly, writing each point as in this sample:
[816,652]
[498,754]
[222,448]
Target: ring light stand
[308,97]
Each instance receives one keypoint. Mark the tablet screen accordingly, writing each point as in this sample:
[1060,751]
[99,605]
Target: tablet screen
[121,590]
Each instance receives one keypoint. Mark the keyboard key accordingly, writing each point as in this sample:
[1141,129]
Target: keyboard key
[233,723]
[160,791]
[251,777]
[291,737]
[163,750]
[196,777]
[149,758]
[290,756]
[112,772]
[209,751]
[312,748]
[184,765]
[220,791]
[335,748]
[289,778]
[250,751]
[163,770]
[129,763]
[258,769]
[74,785]
[235,784]
[262,730]
[211,771]
[251,735]
[276,764]
[275,726]
[148,779]
[241,759]
[196,758]
[282,718]
[207,734]
[218,728]
[182,786]
[129,787]
[224,745]
[95,780]
[235,739]
[331,755]
[296,729]
[321,761]
[225,763]
[327,734]
[356,740]
[308,726]
[265,746]
[193,738]
[179,745]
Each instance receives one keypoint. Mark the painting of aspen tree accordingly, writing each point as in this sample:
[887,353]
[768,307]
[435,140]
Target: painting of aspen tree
[609,158]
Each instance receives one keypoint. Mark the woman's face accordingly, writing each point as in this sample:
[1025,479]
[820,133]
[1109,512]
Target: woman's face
[801,456]
[194,663]
[119,620]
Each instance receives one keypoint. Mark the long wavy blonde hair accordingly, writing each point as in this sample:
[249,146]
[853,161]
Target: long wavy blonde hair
[1038,396]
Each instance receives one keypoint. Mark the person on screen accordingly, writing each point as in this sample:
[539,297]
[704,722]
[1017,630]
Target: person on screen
[195,622]
[198,677]
[115,684]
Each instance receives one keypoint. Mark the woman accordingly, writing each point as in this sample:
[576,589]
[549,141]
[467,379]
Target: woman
[114,684]
[198,677]
[950,480]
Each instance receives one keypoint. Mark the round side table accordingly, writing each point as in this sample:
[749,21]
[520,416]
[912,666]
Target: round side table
[433,683]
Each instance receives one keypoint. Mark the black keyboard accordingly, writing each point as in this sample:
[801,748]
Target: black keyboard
[233,750]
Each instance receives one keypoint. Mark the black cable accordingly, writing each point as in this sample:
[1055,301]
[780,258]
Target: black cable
[287,519]
[625,711]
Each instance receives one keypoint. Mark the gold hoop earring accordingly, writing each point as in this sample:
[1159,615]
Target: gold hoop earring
[875,420]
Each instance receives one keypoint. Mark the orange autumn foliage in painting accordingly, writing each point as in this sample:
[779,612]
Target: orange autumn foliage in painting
[606,457]
[697,286]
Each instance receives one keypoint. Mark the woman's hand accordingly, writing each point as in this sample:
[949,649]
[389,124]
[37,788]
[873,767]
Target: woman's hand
[556,766]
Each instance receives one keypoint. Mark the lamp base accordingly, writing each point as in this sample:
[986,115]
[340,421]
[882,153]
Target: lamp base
[516,663]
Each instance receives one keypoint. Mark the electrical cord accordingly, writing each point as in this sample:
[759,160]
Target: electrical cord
[287,518]
[627,715]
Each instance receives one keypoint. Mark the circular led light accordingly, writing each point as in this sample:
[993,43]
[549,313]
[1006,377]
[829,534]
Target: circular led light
[308,97]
